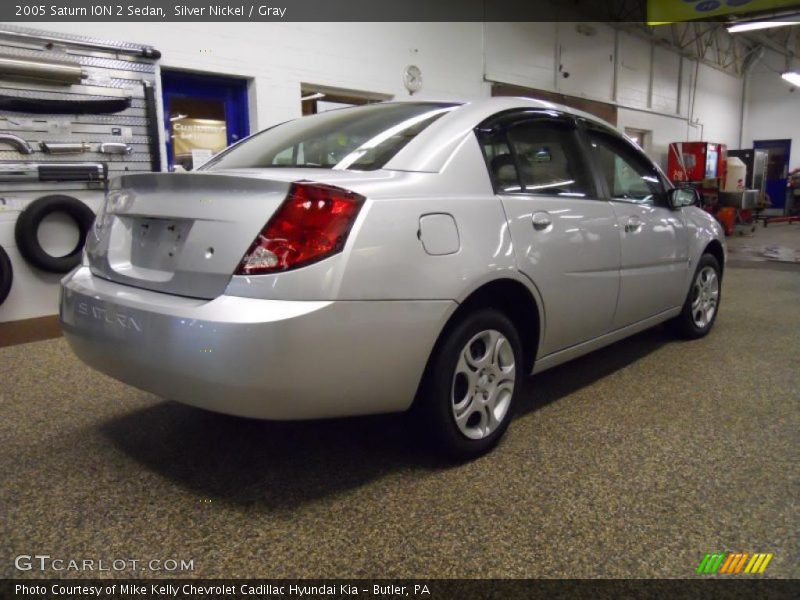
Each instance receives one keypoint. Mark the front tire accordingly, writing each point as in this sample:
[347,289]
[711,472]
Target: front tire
[702,303]
[468,395]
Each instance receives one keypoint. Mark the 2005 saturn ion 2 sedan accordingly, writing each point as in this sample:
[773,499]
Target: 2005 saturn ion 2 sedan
[395,256]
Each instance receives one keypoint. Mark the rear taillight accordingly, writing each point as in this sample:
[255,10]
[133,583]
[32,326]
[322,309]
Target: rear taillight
[311,224]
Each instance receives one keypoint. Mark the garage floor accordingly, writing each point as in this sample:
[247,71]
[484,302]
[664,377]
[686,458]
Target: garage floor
[777,244]
[631,462]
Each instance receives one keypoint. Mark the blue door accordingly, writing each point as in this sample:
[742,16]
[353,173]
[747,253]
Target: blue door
[777,169]
[203,114]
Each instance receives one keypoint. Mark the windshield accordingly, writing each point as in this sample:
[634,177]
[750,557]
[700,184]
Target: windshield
[362,138]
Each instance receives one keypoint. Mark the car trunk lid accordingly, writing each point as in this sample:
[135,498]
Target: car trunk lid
[181,234]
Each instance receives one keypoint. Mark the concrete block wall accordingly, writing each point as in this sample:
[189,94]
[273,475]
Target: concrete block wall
[772,105]
[278,57]
[458,61]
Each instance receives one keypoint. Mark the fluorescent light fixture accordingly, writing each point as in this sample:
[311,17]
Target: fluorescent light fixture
[316,96]
[792,77]
[754,25]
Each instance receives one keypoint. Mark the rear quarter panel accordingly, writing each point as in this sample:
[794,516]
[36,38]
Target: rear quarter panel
[384,259]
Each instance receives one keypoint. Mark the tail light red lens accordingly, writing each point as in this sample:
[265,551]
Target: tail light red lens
[311,224]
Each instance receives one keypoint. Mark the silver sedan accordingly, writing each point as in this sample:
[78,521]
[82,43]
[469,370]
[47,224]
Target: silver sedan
[410,255]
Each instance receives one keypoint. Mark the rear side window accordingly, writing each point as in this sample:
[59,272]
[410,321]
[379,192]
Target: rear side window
[362,138]
[500,162]
[538,157]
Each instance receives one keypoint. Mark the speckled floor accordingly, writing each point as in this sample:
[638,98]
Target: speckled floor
[631,462]
[778,243]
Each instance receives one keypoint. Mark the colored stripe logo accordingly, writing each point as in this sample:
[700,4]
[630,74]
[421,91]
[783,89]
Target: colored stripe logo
[734,563]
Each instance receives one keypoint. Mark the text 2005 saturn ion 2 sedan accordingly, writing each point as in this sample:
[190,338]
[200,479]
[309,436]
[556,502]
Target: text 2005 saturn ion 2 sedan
[392,256]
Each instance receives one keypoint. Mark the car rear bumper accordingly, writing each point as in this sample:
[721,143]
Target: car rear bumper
[270,359]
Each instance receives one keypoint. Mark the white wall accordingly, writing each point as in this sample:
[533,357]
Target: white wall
[533,48]
[665,129]
[772,105]
[588,58]
[634,71]
[718,106]
[454,57]
[655,87]
[281,56]
[666,79]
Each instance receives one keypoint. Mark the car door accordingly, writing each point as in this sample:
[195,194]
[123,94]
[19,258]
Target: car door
[654,238]
[564,238]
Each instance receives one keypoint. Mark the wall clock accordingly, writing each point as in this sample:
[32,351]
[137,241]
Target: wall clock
[412,78]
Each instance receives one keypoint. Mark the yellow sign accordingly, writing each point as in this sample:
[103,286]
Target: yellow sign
[660,12]
[198,134]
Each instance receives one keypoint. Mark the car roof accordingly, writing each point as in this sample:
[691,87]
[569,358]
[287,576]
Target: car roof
[430,149]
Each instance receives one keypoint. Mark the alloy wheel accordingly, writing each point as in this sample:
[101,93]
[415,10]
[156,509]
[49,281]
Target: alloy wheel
[483,384]
[705,297]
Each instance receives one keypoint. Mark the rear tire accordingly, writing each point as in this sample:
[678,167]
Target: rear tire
[702,302]
[468,395]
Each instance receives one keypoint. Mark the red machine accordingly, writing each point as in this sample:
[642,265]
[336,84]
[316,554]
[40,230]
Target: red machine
[695,162]
[703,166]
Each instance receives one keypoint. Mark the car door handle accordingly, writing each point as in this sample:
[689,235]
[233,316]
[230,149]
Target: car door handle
[633,224]
[541,221]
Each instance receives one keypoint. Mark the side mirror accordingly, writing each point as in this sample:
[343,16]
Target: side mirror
[680,197]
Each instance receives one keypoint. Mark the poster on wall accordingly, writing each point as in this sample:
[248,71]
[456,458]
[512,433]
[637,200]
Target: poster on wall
[197,140]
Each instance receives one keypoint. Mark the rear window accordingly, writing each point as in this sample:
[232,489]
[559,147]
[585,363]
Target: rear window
[363,138]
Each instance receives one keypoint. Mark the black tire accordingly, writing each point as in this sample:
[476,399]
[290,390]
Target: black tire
[27,228]
[6,275]
[434,409]
[685,325]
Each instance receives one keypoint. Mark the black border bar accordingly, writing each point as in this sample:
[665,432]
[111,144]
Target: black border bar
[709,588]
[42,11]
[609,11]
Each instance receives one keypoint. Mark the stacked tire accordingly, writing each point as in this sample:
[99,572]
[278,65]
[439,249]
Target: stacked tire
[26,234]
[26,231]
[6,275]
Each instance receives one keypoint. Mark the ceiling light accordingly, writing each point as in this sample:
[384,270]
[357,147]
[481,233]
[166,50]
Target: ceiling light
[753,25]
[316,96]
[792,77]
